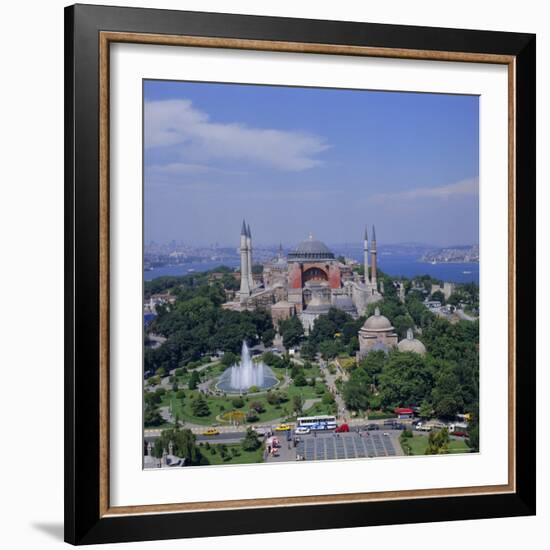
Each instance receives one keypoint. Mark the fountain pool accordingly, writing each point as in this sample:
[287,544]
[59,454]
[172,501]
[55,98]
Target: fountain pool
[246,374]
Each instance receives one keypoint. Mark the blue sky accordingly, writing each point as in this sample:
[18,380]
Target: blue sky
[299,160]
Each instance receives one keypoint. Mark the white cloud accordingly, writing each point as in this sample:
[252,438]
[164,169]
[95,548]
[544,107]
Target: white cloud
[178,123]
[468,187]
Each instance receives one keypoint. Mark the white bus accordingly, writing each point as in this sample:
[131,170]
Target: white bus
[321,422]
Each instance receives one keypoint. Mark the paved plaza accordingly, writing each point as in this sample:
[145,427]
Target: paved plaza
[348,445]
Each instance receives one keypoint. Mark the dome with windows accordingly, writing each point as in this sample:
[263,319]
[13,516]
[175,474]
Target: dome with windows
[311,249]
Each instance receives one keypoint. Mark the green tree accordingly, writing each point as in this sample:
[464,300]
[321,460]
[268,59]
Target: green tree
[272,360]
[251,441]
[292,332]
[425,410]
[407,380]
[297,403]
[308,350]
[152,417]
[438,442]
[229,358]
[401,324]
[300,379]
[267,337]
[328,398]
[447,393]
[358,390]
[194,380]
[330,349]
[199,406]
[184,446]
[373,364]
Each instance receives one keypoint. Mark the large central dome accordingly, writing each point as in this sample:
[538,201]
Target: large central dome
[311,249]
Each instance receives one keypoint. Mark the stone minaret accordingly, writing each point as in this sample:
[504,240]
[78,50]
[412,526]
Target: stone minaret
[245,286]
[366,256]
[373,252]
[249,241]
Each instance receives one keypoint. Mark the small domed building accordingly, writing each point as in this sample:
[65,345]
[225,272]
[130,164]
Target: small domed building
[410,343]
[377,333]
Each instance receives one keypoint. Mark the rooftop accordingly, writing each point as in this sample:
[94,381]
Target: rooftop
[311,249]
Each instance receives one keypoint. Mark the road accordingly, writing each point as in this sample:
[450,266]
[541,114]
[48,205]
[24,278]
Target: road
[331,385]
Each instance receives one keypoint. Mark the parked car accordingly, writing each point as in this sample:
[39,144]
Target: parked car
[372,427]
[282,428]
[211,431]
[460,434]
[343,428]
[302,430]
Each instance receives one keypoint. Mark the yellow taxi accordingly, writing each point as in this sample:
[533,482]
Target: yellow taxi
[282,428]
[211,431]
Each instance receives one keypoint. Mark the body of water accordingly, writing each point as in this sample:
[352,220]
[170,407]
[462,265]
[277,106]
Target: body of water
[410,267]
[395,265]
[183,269]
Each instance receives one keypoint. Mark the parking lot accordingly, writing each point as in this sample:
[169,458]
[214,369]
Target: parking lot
[348,445]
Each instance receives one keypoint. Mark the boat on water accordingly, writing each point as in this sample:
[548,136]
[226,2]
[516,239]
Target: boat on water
[190,270]
[434,262]
[467,272]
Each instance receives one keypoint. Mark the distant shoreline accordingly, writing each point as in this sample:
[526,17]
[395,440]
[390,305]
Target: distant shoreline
[396,266]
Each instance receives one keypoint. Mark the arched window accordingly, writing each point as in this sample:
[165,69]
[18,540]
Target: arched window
[314,274]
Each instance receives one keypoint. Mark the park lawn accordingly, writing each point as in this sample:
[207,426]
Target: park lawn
[244,457]
[419,444]
[313,372]
[219,405]
[320,408]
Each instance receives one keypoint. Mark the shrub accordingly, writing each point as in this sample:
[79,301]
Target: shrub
[238,402]
[273,398]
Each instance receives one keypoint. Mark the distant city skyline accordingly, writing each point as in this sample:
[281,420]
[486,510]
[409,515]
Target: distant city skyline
[294,161]
[289,245]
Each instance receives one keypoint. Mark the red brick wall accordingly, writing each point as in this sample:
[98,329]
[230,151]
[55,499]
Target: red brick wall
[334,278]
[294,276]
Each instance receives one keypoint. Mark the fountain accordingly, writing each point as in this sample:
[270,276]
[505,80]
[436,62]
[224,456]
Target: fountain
[246,374]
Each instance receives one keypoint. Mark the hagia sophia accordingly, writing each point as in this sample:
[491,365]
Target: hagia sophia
[311,280]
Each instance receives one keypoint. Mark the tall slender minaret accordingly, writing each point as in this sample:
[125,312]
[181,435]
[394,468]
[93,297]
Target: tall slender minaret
[249,242]
[245,286]
[366,256]
[373,252]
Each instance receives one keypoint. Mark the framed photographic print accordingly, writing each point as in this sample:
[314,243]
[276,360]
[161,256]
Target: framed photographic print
[299,274]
